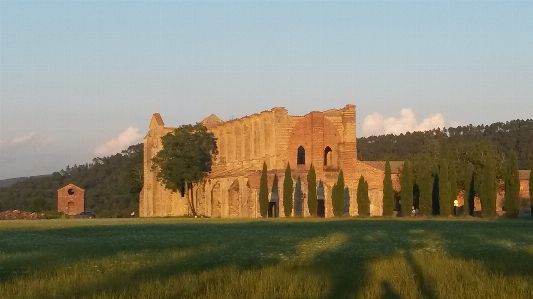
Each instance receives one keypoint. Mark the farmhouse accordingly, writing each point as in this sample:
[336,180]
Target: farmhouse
[71,199]
[326,139]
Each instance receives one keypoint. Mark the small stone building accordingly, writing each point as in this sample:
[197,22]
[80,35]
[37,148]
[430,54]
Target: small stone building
[71,199]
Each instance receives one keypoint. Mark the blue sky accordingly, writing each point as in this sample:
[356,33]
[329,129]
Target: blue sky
[80,79]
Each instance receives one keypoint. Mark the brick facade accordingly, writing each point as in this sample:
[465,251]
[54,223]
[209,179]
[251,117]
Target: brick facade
[326,139]
[71,199]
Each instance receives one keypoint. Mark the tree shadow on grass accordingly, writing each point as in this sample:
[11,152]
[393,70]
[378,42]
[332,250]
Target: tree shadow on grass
[245,246]
[389,292]
[425,286]
[251,245]
[498,243]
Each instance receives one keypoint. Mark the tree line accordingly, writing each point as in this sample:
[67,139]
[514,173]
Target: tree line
[112,186]
[515,135]
[431,185]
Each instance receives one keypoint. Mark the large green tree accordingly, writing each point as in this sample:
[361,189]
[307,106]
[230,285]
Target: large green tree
[263,192]
[363,201]
[287,192]
[337,195]
[388,192]
[468,206]
[186,158]
[406,194]
[512,186]
[425,186]
[312,200]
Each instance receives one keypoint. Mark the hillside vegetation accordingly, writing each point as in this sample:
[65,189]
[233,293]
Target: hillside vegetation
[514,135]
[112,185]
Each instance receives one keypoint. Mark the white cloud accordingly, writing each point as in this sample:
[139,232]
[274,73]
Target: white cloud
[377,124]
[17,141]
[129,137]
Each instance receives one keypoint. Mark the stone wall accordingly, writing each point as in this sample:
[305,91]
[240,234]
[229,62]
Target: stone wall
[326,139]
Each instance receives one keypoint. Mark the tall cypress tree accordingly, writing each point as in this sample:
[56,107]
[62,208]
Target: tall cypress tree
[488,188]
[298,200]
[512,186]
[263,192]
[337,196]
[363,203]
[287,192]
[388,192]
[406,194]
[453,184]
[468,206]
[312,200]
[425,186]
[444,188]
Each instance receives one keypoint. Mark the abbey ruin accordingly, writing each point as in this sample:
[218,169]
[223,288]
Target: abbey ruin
[326,139]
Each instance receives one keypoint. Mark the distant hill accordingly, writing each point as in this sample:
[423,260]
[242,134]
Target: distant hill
[112,186]
[514,135]
[9,182]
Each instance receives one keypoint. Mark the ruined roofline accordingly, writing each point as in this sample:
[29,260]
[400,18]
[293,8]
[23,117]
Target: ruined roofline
[329,111]
[157,120]
[250,116]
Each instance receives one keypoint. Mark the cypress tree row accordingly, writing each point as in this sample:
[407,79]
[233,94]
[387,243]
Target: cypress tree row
[363,202]
[287,192]
[488,188]
[298,200]
[388,192]
[337,195]
[468,206]
[512,186]
[425,186]
[312,200]
[453,185]
[406,194]
[263,192]
[444,189]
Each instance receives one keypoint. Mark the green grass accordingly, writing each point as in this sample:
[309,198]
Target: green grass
[295,258]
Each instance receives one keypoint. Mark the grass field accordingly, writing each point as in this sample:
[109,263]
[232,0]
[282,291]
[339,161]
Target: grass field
[309,258]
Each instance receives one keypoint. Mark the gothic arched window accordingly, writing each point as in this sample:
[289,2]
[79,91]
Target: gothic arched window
[301,156]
